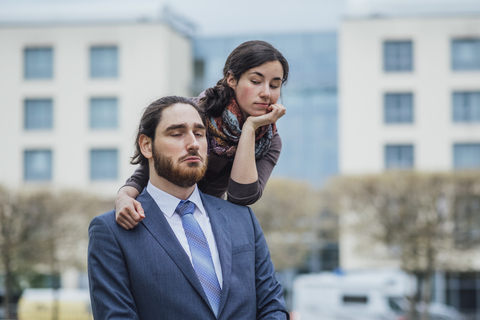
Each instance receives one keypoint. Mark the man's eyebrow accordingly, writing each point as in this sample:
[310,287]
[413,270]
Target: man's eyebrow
[176,126]
[261,75]
[184,126]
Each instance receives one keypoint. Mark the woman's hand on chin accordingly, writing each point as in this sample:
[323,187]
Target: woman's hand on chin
[274,112]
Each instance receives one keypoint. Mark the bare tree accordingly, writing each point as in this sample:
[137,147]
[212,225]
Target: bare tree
[43,228]
[294,220]
[423,219]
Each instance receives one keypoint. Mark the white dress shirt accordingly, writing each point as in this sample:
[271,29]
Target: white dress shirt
[168,203]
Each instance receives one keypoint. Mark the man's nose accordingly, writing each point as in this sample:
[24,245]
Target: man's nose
[192,142]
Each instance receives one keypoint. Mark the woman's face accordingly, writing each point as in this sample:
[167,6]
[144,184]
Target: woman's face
[258,88]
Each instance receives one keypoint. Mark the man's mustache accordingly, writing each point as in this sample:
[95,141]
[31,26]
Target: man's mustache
[192,153]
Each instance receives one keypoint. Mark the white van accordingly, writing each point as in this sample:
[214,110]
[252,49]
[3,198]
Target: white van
[363,295]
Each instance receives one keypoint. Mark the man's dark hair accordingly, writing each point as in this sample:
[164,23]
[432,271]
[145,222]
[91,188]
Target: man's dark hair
[151,118]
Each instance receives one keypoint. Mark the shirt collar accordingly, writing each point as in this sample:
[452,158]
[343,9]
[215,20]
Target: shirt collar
[168,203]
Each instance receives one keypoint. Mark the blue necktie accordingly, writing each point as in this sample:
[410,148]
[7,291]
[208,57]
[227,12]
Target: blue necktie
[201,256]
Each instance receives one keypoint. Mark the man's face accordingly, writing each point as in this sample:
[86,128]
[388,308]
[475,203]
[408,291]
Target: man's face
[180,146]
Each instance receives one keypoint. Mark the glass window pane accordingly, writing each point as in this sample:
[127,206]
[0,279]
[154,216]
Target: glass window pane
[466,106]
[398,55]
[38,165]
[466,155]
[38,114]
[466,54]
[104,164]
[104,62]
[38,63]
[399,156]
[398,108]
[103,113]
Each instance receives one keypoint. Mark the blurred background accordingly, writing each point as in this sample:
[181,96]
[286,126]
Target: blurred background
[373,210]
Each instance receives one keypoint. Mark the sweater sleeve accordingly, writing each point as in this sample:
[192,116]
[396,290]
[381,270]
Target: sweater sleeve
[139,179]
[247,194]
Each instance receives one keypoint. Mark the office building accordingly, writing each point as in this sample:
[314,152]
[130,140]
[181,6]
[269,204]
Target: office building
[410,100]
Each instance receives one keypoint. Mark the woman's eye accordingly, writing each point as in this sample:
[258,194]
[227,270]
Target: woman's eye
[255,82]
[273,87]
[199,134]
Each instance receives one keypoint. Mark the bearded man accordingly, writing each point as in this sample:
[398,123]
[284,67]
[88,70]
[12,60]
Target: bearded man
[193,256]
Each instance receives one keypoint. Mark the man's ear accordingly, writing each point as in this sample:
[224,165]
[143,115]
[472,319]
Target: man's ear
[231,81]
[146,146]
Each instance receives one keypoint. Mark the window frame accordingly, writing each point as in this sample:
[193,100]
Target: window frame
[393,63]
[400,117]
[28,175]
[98,68]
[456,64]
[389,165]
[96,123]
[93,174]
[457,146]
[28,116]
[35,72]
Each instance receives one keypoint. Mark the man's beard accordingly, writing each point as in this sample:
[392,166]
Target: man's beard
[182,177]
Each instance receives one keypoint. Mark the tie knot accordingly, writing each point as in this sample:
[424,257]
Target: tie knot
[185,207]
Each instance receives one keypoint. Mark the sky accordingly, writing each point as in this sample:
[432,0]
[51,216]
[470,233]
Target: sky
[212,17]
[228,17]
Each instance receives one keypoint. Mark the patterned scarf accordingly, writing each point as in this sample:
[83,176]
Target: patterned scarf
[224,133]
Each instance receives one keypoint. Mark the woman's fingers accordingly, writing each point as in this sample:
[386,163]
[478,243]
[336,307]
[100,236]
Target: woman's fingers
[130,214]
[274,112]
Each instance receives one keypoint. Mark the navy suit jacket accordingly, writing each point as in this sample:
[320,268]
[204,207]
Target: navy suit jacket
[144,273]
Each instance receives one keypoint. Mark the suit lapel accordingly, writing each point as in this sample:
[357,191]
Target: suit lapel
[220,227]
[158,226]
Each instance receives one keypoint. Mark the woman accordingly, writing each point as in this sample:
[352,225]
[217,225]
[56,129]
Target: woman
[244,146]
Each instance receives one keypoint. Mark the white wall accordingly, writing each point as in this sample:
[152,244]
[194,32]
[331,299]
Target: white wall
[153,61]
[362,131]
[363,83]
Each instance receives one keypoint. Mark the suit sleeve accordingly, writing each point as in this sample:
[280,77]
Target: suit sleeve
[270,302]
[108,275]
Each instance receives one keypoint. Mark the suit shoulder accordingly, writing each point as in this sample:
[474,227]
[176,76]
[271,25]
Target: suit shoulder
[224,203]
[107,217]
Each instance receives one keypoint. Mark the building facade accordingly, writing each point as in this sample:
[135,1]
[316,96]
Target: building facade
[73,95]
[410,100]
[309,128]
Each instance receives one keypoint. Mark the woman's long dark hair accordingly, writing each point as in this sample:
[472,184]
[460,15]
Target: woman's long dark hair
[248,55]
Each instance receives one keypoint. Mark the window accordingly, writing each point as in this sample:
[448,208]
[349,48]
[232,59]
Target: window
[103,164]
[466,106]
[398,56]
[38,165]
[104,62]
[398,108]
[399,156]
[466,155]
[38,63]
[103,113]
[38,114]
[466,54]
[351,299]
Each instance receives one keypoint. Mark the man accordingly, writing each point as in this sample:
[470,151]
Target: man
[193,256]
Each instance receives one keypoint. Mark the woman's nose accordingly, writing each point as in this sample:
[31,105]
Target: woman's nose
[265,93]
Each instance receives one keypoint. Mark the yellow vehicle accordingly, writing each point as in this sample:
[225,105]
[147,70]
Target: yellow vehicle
[49,304]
